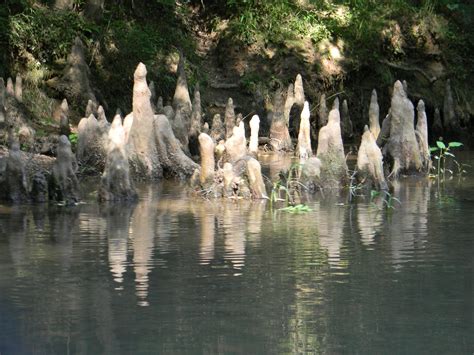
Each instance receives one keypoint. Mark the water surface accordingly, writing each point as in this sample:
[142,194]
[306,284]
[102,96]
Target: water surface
[177,274]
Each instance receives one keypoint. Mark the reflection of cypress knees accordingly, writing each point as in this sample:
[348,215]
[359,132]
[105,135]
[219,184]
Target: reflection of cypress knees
[370,162]
[64,185]
[374,115]
[402,147]
[304,135]
[115,182]
[331,151]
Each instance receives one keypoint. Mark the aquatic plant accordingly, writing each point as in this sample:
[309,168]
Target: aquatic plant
[443,154]
[388,199]
[287,184]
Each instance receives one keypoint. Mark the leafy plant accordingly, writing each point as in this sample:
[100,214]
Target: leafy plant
[287,185]
[443,153]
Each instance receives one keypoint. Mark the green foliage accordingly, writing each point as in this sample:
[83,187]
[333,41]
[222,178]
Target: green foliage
[443,153]
[287,186]
[73,138]
[47,35]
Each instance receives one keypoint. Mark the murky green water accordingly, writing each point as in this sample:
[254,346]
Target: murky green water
[176,274]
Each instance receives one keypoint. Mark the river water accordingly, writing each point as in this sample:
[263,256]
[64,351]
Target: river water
[178,274]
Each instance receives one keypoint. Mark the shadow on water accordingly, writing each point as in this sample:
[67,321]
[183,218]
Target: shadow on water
[174,273]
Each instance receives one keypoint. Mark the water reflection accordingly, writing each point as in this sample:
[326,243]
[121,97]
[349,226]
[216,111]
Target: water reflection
[142,227]
[370,220]
[407,222]
[330,221]
[317,282]
[118,226]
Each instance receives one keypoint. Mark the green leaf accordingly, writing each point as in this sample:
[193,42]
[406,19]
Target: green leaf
[433,149]
[440,145]
[454,144]
[449,154]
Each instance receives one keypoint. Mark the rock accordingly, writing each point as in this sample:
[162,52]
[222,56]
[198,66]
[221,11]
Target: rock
[254,128]
[374,115]
[402,149]
[229,118]
[64,186]
[304,136]
[331,152]
[370,162]
[115,184]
